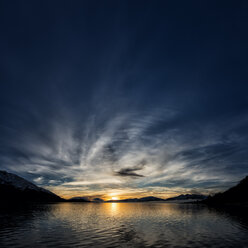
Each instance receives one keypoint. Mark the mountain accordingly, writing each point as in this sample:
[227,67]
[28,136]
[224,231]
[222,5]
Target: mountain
[98,200]
[16,189]
[187,197]
[79,199]
[235,195]
[125,200]
[150,198]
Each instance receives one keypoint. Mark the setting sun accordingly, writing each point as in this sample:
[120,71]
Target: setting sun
[114,198]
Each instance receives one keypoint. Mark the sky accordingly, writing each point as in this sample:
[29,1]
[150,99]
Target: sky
[124,98]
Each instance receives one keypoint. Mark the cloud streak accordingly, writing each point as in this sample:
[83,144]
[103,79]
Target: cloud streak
[120,152]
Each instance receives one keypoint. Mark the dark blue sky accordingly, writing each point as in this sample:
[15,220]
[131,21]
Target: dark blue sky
[124,97]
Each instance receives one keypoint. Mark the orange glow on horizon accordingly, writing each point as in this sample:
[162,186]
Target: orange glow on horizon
[68,193]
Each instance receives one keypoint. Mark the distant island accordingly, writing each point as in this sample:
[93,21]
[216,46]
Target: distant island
[16,189]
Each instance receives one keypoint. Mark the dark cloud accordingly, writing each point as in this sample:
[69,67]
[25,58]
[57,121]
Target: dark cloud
[129,172]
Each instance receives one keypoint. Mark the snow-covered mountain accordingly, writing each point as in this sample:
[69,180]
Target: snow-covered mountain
[18,182]
[13,187]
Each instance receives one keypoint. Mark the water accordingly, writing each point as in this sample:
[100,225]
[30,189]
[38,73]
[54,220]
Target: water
[121,225]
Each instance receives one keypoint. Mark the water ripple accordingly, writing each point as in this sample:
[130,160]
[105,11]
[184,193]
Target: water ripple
[121,225]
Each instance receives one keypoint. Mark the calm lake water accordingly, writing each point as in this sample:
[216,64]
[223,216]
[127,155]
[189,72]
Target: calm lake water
[121,225]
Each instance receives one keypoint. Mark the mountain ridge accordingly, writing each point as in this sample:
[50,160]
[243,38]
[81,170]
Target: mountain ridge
[187,197]
[237,194]
[15,188]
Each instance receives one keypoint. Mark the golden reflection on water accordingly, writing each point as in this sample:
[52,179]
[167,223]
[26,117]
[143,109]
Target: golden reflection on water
[134,209]
[118,209]
[114,208]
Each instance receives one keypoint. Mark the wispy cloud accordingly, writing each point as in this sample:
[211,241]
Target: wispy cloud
[121,152]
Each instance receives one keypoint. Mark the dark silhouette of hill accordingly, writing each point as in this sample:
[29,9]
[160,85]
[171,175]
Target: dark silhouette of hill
[235,195]
[152,198]
[16,189]
[78,199]
[98,200]
[187,197]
